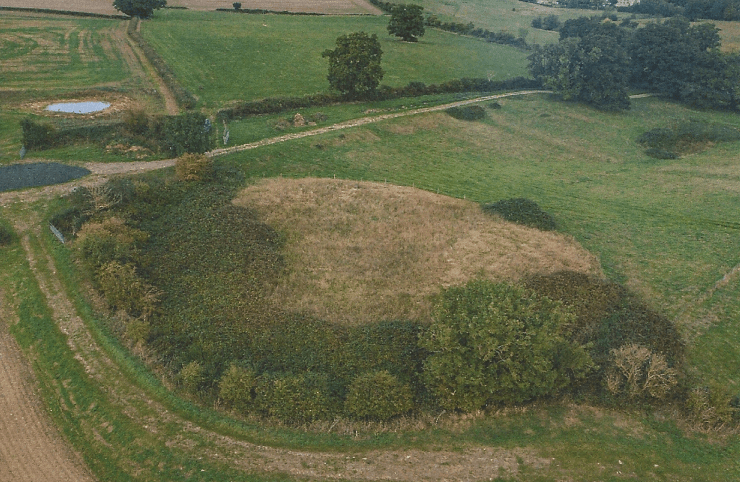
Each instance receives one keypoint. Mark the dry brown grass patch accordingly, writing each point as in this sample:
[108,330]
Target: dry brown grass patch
[361,252]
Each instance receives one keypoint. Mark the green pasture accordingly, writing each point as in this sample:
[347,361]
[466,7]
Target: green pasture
[58,54]
[668,229]
[223,57]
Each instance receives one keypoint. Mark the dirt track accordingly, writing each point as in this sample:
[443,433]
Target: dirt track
[31,449]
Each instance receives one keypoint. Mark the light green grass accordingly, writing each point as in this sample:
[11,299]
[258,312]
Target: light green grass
[224,57]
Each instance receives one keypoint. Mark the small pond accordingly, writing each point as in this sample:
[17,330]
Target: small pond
[19,176]
[78,107]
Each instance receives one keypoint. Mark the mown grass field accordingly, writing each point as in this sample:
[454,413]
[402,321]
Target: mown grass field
[223,57]
[52,54]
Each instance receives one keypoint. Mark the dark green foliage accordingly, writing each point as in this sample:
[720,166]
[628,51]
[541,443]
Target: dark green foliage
[354,65]
[592,69]
[467,112]
[7,235]
[550,22]
[685,137]
[683,61]
[68,221]
[494,105]
[237,388]
[388,346]
[407,22]
[608,317]
[413,89]
[70,13]
[138,8]
[378,396]
[236,5]
[187,133]
[522,211]
[295,398]
[494,343]
[35,135]
[656,153]
[136,121]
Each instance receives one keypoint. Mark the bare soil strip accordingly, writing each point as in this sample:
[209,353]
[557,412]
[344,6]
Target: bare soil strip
[31,449]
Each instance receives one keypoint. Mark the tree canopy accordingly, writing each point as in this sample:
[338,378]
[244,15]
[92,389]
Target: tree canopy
[354,65]
[139,8]
[596,62]
[407,22]
[495,343]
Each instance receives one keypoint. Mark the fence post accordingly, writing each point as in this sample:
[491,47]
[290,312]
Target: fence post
[57,233]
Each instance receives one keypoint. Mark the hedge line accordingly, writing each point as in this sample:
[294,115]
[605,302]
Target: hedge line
[66,12]
[184,98]
[275,105]
[262,11]
[503,38]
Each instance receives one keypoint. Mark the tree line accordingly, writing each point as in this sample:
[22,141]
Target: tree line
[597,62]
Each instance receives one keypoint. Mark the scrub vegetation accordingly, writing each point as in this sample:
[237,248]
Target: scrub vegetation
[526,284]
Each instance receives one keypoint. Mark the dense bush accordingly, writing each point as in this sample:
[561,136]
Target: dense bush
[125,290]
[378,396]
[7,235]
[711,407]
[35,135]
[110,240]
[188,132]
[192,377]
[237,388]
[194,167]
[607,319]
[295,398]
[638,373]
[494,343]
[467,112]
[522,211]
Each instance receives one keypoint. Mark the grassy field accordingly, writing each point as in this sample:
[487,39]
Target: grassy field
[224,57]
[56,54]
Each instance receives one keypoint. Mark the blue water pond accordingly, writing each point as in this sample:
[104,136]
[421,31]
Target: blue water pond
[79,107]
[19,176]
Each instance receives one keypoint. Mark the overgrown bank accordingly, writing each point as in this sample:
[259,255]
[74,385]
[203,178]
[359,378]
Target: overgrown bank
[149,248]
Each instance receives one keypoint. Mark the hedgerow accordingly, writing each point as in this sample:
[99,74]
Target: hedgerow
[184,98]
[413,89]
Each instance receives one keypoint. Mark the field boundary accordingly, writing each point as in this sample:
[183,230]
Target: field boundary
[70,13]
[364,121]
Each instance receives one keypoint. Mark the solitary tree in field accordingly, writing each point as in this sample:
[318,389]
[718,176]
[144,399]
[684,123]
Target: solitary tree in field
[138,8]
[354,66]
[407,22]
